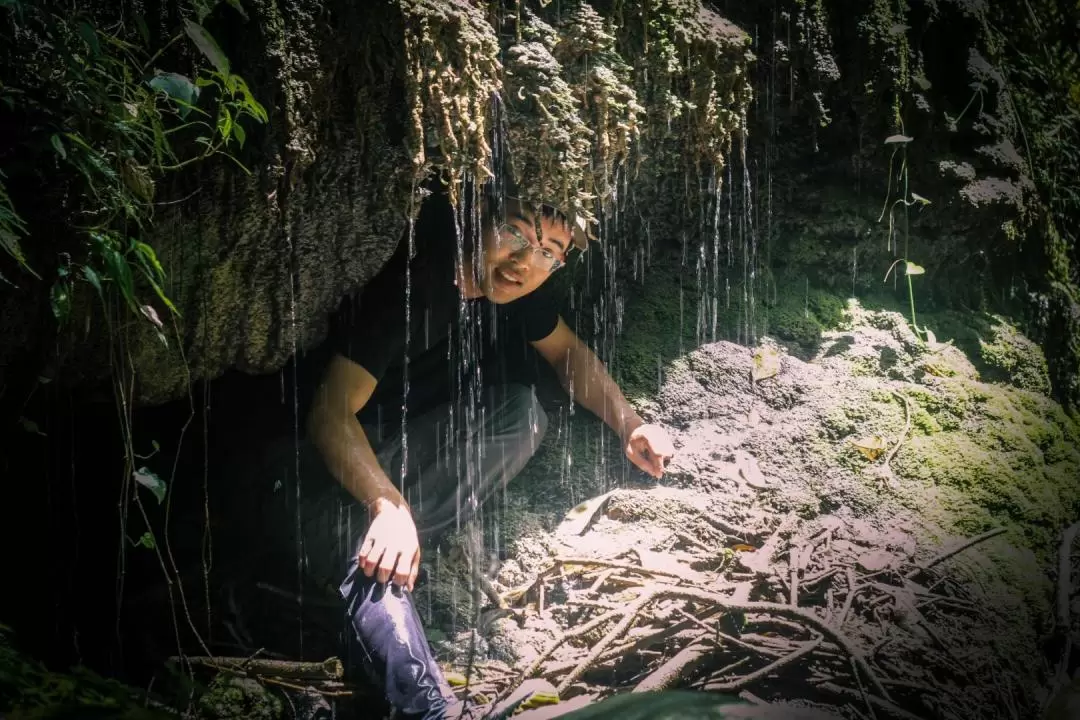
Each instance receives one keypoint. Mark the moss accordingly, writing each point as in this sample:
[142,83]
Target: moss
[230,697]
[801,317]
[1014,358]
[924,422]
[1014,461]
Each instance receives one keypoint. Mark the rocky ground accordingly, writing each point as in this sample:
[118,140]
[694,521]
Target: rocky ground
[874,530]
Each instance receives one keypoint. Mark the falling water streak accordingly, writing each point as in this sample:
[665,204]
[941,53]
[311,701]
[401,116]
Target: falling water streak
[405,356]
[854,269]
[293,279]
[714,194]
[749,238]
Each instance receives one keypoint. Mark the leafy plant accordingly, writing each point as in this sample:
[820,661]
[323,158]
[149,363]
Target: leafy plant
[114,124]
[908,199]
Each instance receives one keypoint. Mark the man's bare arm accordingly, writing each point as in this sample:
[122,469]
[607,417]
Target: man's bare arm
[333,427]
[584,376]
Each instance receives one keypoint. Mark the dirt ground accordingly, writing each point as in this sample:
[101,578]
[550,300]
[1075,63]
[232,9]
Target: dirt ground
[874,531]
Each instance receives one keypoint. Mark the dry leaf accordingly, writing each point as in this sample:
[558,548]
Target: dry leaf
[766,364]
[870,447]
[743,547]
[581,517]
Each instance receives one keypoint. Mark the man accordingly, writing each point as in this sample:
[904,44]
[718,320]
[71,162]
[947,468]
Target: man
[416,483]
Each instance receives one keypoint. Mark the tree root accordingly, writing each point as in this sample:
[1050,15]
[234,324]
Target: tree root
[776,665]
[670,592]
[942,557]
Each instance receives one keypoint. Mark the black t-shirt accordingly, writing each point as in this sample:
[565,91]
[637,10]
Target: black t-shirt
[370,328]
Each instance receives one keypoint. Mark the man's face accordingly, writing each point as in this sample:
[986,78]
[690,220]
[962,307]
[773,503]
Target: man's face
[510,268]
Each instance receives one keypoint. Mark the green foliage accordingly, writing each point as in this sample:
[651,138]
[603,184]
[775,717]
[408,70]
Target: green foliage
[111,123]
[899,144]
[29,691]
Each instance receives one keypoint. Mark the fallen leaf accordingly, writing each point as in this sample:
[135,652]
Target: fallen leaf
[581,517]
[743,547]
[766,364]
[870,447]
[750,472]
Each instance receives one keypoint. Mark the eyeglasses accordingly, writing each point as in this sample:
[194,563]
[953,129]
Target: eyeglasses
[518,242]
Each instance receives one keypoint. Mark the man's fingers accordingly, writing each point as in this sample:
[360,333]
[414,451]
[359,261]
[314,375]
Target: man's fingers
[404,569]
[414,570]
[386,567]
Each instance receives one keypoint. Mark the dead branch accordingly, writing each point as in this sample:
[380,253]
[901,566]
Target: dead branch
[774,666]
[907,427]
[669,673]
[621,627]
[329,669]
[664,591]
[878,702]
[942,557]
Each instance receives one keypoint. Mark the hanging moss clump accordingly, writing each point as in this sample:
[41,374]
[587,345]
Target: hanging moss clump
[452,72]
[603,81]
[550,144]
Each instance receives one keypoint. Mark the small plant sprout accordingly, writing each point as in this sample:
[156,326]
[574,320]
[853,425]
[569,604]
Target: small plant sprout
[899,143]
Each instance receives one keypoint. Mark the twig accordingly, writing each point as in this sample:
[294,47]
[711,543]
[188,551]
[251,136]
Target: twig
[329,669]
[669,673]
[907,427]
[615,632]
[938,559]
[852,591]
[614,564]
[880,703]
[686,593]
[560,563]
[302,689]
[740,683]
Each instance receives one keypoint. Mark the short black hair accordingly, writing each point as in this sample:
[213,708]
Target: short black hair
[496,203]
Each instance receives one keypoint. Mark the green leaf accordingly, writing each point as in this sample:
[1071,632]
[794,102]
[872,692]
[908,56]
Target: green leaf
[147,541]
[30,426]
[149,480]
[58,145]
[207,46]
[94,279]
[898,140]
[60,301]
[178,88]
[89,36]
[120,273]
[913,269]
[239,134]
[919,199]
[144,31]
[224,123]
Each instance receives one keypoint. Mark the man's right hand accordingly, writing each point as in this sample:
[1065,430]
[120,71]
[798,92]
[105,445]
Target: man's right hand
[391,547]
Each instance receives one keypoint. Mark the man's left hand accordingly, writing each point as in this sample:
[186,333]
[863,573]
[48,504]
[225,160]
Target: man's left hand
[649,447]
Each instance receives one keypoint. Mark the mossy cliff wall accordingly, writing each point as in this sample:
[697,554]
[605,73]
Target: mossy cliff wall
[591,101]
[987,93]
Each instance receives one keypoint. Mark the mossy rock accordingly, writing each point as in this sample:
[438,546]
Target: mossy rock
[1015,359]
[236,698]
[997,455]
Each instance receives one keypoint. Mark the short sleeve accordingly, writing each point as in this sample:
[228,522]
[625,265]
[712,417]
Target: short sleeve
[536,313]
[369,329]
